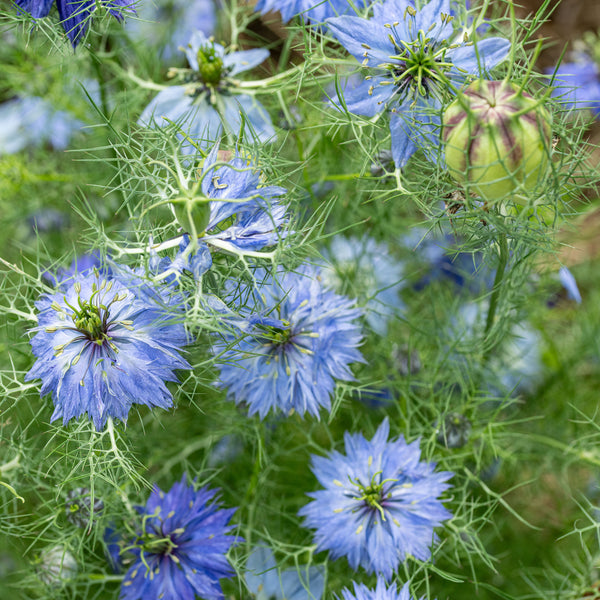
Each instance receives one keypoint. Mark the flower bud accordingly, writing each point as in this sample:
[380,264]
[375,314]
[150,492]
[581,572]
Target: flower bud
[497,139]
[56,566]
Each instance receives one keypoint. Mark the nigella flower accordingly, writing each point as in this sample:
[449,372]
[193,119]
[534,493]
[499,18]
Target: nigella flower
[412,57]
[380,502]
[364,269]
[299,338]
[314,10]
[243,214]
[210,100]
[267,582]
[577,84]
[75,14]
[169,24]
[381,592]
[101,348]
[32,121]
[180,549]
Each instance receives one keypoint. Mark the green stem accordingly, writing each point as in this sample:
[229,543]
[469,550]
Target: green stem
[491,315]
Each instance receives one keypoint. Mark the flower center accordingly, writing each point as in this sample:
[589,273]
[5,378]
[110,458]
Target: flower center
[210,66]
[372,494]
[89,320]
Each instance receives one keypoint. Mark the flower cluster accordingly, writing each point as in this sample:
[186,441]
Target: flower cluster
[380,503]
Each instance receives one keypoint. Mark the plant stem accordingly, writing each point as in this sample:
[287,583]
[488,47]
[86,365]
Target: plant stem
[491,315]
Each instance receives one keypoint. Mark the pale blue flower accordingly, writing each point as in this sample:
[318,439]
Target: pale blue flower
[380,503]
[101,348]
[299,338]
[169,24]
[209,102]
[411,57]
[364,269]
[381,592]
[267,582]
[315,11]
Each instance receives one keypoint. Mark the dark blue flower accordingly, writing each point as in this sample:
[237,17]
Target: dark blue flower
[210,101]
[266,582]
[314,10]
[101,348]
[577,84]
[75,14]
[380,502]
[412,57]
[181,546]
[381,592]
[299,337]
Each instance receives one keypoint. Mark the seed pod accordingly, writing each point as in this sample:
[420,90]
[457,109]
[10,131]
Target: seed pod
[497,139]
[56,566]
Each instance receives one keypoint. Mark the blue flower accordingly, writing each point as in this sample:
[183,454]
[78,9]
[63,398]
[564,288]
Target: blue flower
[75,14]
[364,269]
[101,348]
[570,284]
[81,266]
[412,57]
[169,24]
[299,337]
[244,214]
[314,10]
[210,100]
[266,582]
[180,549]
[577,84]
[381,592]
[33,121]
[380,503]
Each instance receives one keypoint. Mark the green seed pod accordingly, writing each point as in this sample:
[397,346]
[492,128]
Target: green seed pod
[193,214]
[497,139]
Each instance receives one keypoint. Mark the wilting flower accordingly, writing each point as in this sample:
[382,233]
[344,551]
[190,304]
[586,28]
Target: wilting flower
[210,101]
[181,546]
[315,11]
[413,57]
[266,582]
[75,14]
[380,502]
[101,348]
[169,24]
[298,338]
[577,84]
[381,592]
[364,269]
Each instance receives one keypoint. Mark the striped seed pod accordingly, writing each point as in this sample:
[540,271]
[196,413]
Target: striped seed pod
[497,139]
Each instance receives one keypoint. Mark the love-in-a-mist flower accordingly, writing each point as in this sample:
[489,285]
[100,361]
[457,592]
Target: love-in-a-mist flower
[230,208]
[101,348]
[412,58]
[181,546]
[298,338]
[74,15]
[381,592]
[315,11]
[364,269]
[380,503]
[267,582]
[168,24]
[210,100]
[576,84]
